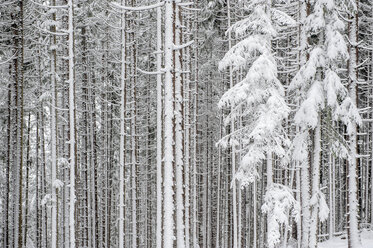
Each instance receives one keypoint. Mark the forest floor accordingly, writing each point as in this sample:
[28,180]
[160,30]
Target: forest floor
[341,242]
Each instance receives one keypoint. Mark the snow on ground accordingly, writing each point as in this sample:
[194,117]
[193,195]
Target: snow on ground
[338,242]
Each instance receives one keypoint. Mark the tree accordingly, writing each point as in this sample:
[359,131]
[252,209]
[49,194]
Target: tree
[278,202]
[353,227]
[110,116]
[54,184]
[259,97]
[320,89]
[159,129]
[72,129]
[168,181]
[122,131]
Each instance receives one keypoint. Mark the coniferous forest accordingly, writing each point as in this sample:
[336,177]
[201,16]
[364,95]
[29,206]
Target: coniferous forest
[176,123]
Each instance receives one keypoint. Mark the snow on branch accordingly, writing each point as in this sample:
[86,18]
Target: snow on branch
[258,22]
[6,61]
[185,4]
[50,7]
[278,202]
[190,9]
[152,6]
[149,72]
[57,184]
[319,199]
[52,33]
[281,18]
[179,47]
[240,53]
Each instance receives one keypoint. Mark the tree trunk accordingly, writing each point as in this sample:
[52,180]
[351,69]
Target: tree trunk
[122,156]
[353,205]
[159,129]
[168,183]
[72,122]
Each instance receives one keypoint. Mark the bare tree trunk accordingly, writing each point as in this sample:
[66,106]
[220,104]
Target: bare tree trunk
[7,171]
[72,122]
[122,156]
[316,160]
[134,147]
[54,131]
[168,183]
[159,129]
[353,205]
[38,234]
[179,131]
[28,164]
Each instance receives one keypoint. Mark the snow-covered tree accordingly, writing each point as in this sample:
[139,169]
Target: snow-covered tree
[278,202]
[259,99]
[72,121]
[319,90]
[109,116]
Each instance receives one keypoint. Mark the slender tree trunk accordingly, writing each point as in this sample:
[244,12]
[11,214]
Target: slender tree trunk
[7,171]
[122,133]
[178,119]
[314,221]
[233,150]
[195,142]
[134,148]
[353,205]
[38,232]
[18,128]
[44,213]
[72,142]
[54,131]
[168,183]
[331,165]
[304,170]
[218,228]
[187,159]
[159,129]
[28,164]
[255,241]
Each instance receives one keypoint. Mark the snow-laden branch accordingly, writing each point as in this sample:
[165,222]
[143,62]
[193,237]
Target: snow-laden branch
[50,7]
[190,9]
[6,61]
[185,4]
[152,6]
[8,3]
[158,52]
[50,32]
[354,44]
[150,72]
[179,47]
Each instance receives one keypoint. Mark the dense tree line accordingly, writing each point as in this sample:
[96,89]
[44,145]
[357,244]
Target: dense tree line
[206,123]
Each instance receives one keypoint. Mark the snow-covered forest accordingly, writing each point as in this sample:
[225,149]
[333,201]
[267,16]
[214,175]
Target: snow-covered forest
[176,123]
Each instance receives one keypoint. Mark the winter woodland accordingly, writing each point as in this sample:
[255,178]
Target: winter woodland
[175,123]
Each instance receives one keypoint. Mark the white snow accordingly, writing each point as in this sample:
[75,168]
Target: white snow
[341,242]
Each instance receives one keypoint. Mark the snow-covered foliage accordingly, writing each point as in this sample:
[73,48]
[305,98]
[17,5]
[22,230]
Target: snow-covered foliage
[259,100]
[46,199]
[318,200]
[279,202]
[323,100]
[57,184]
[260,97]
[317,85]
